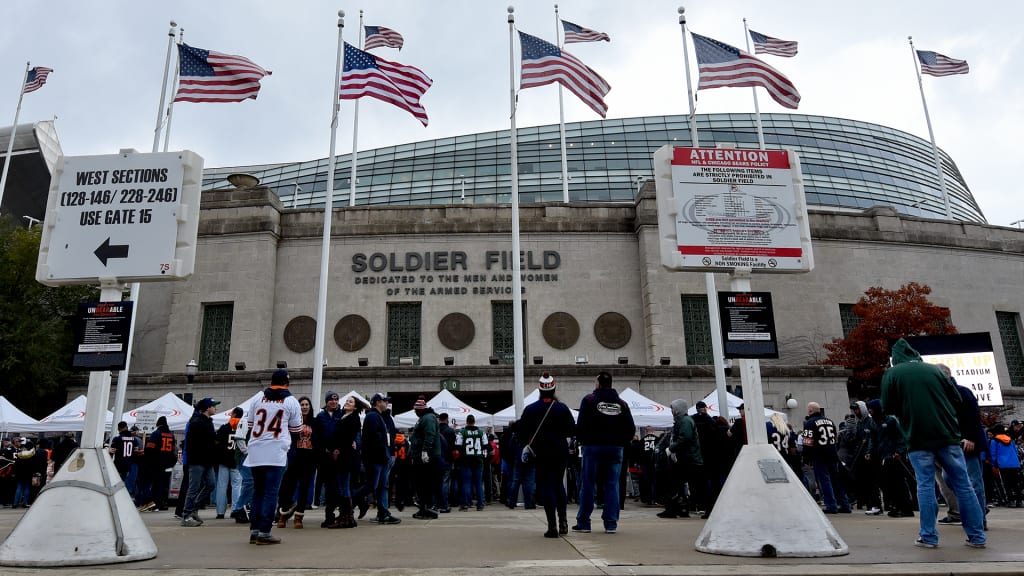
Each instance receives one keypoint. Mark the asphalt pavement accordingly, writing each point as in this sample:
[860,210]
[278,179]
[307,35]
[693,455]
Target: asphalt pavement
[501,541]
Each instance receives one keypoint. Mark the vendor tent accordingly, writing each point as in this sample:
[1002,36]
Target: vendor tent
[646,412]
[502,418]
[70,418]
[734,406]
[12,419]
[445,401]
[170,406]
[224,410]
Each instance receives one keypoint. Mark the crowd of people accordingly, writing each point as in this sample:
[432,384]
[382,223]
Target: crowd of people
[281,457]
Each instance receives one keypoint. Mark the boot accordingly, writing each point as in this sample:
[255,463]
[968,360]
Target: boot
[298,520]
[563,524]
[281,522]
[552,531]
[345,517]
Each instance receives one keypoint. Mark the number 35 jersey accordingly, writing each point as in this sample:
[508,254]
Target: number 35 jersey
[273,417]
[819,436]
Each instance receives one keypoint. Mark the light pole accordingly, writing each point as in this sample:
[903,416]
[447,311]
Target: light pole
[191,369]
[639,184]
[463,176]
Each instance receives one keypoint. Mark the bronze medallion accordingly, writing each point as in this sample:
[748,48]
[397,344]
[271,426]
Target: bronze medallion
[456,331]
[300,334]
[561,330]
[352,332]
[612,330]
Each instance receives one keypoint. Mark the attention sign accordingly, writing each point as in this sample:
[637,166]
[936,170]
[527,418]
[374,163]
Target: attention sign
[723,209]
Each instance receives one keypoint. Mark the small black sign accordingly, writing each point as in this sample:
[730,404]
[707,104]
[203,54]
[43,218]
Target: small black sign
[101,335]
[748,325]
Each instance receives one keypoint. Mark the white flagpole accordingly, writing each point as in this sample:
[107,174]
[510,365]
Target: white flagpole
[174,85]
[931,135]
[709,279]
[325,250]
[518,398]
[753,90]
[561,120]
[14,131]
[355,128]
[133,295]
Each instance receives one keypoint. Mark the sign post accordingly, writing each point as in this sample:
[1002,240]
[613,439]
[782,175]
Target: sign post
[110,219]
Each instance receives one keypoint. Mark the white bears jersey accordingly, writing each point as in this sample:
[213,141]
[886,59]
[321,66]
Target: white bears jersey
[273,417]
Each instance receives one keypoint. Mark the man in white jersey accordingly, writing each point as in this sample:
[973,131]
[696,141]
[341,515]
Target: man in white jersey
[275,420]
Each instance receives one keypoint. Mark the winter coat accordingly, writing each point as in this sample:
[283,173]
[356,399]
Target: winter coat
[922,398]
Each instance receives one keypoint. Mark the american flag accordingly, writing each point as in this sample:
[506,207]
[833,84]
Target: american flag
[208,76]
[768,45]
[367,75]
[35,79]
[935,64]
[577,33]
[544,63]
[723,65]
[377,36]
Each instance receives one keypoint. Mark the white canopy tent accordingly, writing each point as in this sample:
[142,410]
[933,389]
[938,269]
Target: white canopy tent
[177,411]
[221,417]
[70,418]
[646,412]
[502,418]
[734,406]
[445,401]
[12,419]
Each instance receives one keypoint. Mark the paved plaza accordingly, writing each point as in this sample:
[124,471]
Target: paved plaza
[500,541]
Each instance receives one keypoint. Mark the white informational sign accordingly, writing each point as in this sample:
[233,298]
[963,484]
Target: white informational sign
[130,217]
[146,421]
[970,359]
[721,208]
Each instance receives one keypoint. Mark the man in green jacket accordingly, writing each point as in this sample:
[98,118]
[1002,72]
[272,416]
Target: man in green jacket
[425,445]
[925,401]
[687,465]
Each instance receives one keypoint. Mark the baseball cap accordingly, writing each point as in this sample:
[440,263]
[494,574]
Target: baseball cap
[279,377]
[378,397]
[206,403]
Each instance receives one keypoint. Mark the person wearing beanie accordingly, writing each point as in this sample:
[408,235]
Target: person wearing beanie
[159,457]
[687,465]
[425,448]
[544,427]
[887,450]
[925,402]
[275,421]
[327,450]
[201,450]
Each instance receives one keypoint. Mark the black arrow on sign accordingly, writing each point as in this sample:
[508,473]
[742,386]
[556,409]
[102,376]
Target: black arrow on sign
[107,251]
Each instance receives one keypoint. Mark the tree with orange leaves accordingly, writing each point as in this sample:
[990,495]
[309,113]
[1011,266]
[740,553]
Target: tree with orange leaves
[885,315]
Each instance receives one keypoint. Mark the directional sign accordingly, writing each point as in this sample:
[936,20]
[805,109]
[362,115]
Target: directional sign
[130,217]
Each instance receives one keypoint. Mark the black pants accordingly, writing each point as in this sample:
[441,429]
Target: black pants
[551,490]
[428,482]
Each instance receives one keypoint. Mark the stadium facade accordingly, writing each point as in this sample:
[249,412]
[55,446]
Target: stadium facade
[419,292]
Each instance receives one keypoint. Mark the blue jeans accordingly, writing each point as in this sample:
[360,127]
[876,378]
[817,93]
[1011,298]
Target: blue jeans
[21,492]
[266,481]
[826,474]
[524,475]
[376,482]
[951,459]
[224,476]
[977,481]
[201,481]
[244,493]
[608,459]
[446,486]
[472,484]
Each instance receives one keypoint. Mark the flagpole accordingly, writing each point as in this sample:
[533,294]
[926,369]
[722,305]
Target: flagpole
[931,134]
[753,90]
[174,84]
[714,322]
[325,250]
[355,129]
[518,397]
[14,131]
[163,88]
[561,121]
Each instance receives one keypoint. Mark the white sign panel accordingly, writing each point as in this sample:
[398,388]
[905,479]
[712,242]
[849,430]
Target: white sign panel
[974,370]
[130,217]
[720,209]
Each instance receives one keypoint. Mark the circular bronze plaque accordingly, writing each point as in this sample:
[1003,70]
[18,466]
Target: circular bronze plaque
[352,332]
[561,330]
[612,330]
[300,334]
[456,331]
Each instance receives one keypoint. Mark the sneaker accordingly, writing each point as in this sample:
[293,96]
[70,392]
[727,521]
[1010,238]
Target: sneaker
[948,520]
[147,507]
[390,520]
[922,544]
[447,510]
[667,514]
[581,529]
[873,512]
[196,517]
[364,505]
[267,540]
[479,508]
[253,536]
[461,508]
[191,523]
[220,516]
[240,516]
[970,544]
[178,516]
[423,516]
[609,530]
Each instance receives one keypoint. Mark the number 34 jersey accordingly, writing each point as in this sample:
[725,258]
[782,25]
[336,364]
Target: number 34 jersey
[273,417]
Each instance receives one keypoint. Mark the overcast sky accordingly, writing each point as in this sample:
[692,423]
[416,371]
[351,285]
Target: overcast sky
[854,62]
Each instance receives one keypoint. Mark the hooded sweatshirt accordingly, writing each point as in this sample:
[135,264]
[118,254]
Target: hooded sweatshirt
[1002,452]
[685,442]
[922,398]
